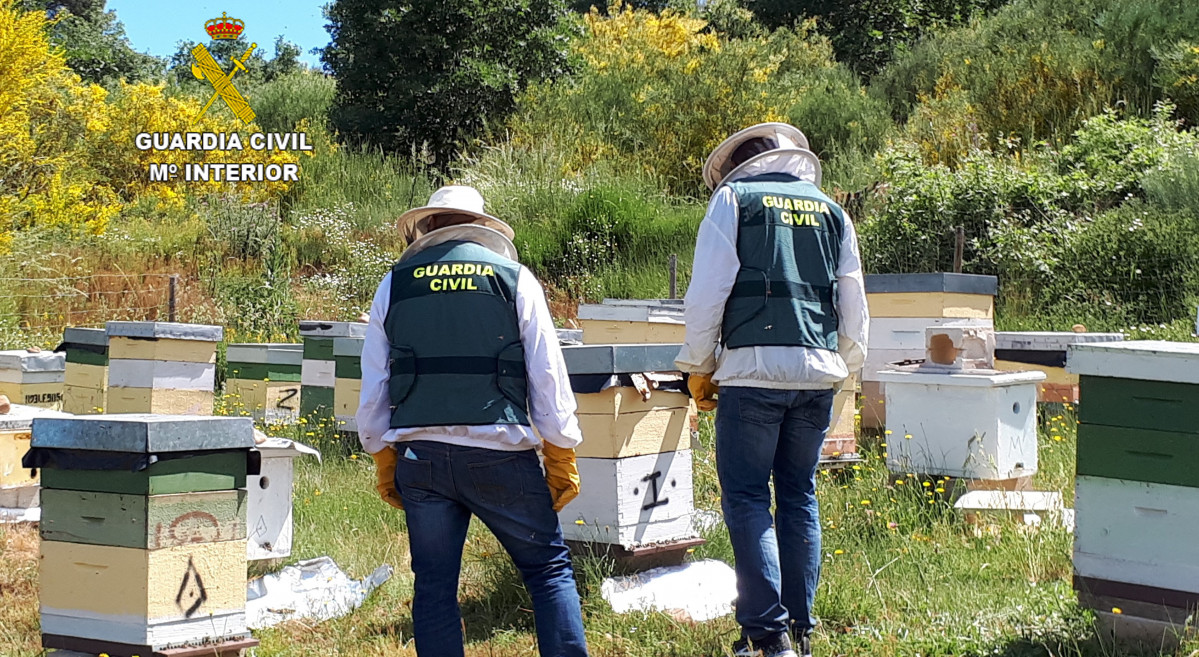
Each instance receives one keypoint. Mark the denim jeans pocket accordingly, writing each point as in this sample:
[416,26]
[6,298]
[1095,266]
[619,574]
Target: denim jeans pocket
[753,408]
[497,482]
[414,478]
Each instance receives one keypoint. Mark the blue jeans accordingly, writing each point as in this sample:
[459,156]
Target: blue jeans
[760,431]
[441,488]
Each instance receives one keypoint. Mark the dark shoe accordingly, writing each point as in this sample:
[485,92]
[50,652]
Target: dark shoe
[804,646]
[778,646]
[741,648]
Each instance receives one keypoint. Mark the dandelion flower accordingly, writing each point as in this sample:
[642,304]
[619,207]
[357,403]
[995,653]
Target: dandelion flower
[838,551]
[1117,610]
[865,502]
[887,432]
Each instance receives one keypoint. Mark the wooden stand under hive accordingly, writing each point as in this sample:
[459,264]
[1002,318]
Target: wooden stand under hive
[1137,487]
[263,380]
[85,384]
[902,306]
[162,367]
[143,533]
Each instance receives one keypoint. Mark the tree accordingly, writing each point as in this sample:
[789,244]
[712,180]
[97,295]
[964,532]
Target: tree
[259,69]
[866,33]
[433,73]
[94,42]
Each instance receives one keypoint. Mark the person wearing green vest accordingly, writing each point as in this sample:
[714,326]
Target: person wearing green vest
[776,321]
[460,362]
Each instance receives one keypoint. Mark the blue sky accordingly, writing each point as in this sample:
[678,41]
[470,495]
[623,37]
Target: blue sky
[157,27]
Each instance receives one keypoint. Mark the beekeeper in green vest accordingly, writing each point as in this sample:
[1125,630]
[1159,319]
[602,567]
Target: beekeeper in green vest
[776,317]
[460,362]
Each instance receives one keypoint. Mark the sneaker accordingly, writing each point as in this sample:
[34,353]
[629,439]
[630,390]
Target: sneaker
[741,648]
[804,646]
[779,646]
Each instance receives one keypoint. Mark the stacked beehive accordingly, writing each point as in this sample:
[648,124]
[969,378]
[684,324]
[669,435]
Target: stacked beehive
[85,384]
[953,415]
[318,374]
[32,378]
[1137,489]
[264,380]
[161,367]
[1045,351]
[635,460]
[633,321]
[143,533]
[347,358]
[902,306]
[18,485]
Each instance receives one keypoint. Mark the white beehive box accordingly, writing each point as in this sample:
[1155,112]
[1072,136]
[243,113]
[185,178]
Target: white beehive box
[974,424]
[1140,533]
[269,500]
[633,501]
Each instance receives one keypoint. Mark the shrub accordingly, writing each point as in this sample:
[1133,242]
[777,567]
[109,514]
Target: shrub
[285,103]
[1178,78]
[1136,263]
[655,93]
[1027,72]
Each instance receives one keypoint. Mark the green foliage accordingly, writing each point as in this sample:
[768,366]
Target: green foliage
[94,42]
[1029,71]
[1037,68]
[1136,263]
[259,69]
[1028,219]
[435,73]
[283,103]
[1178,77]
[867,33]
[653,95]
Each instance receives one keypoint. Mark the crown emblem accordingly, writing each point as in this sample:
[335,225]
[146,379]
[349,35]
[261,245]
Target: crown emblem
[224,27]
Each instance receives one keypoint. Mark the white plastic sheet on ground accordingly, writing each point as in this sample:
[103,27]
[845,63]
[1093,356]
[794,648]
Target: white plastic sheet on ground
[701,591]
[313,590]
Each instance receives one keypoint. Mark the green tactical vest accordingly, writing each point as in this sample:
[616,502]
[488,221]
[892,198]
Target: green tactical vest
[456,356]
[789,244]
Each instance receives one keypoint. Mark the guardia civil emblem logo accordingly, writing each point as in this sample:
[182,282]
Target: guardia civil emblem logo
[205,67]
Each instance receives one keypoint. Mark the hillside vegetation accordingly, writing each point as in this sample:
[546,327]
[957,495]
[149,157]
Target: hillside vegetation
[1059,136]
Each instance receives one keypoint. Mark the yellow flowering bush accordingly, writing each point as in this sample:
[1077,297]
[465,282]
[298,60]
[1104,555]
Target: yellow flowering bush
[656,92]
[67,148]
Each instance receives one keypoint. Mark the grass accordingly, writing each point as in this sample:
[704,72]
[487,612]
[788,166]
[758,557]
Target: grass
[903,573]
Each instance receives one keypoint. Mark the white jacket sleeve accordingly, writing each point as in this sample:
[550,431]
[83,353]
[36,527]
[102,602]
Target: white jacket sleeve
[713,273]
[551,401]
[853,327]
[374,406]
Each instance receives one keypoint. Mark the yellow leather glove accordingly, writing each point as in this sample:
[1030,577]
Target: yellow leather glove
[561,474]
[385,476]
[703,391]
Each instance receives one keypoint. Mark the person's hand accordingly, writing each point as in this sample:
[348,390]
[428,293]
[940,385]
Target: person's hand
[385,476]
[561,474]
[703,391]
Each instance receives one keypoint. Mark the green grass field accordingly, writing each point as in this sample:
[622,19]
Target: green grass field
[903,574]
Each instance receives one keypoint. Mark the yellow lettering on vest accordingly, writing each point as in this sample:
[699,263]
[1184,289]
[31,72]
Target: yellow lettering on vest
[436,284]
[824,208]
[767,202]
[419,272]
[487,271]
[456,269]
[469,268]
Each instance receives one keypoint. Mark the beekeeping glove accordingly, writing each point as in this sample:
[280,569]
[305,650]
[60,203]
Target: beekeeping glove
[561,474]
[385,476]
[703,391]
